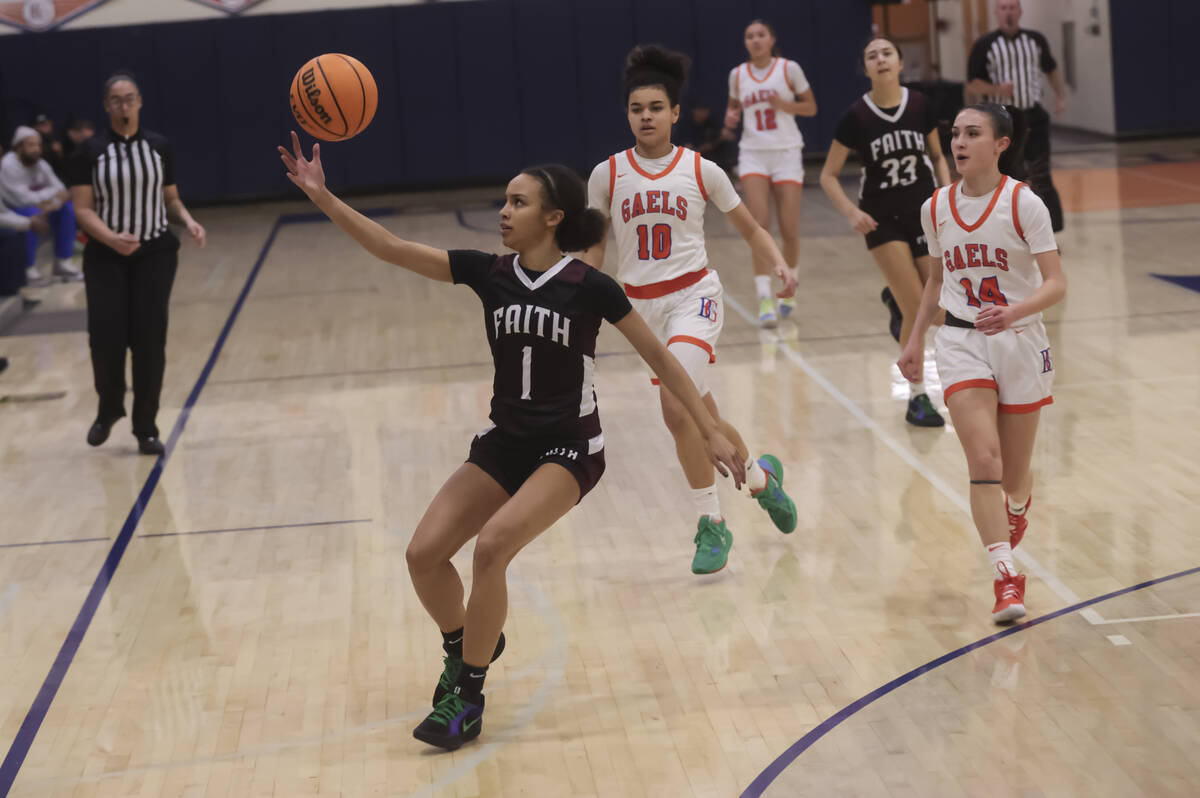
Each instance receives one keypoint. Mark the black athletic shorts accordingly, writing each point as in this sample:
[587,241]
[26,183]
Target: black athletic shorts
[511,460]
[897,225]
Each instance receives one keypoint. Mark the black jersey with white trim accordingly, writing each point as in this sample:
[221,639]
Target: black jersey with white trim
[542,330]
[892,145]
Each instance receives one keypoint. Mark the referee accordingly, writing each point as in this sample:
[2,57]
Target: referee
[1006,67]
[123,186]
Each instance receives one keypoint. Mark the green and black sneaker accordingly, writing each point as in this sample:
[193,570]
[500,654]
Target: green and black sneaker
[713,541]
[921,413]
[454,721]
[452,665]
[773,499]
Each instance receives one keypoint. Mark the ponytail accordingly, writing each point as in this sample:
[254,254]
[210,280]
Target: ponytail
[581,227]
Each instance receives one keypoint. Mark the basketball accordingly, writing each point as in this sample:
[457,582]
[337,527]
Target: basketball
[333,97]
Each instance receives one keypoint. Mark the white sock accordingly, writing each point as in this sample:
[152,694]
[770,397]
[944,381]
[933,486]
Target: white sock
[916,388]
[706,502]
[756,478]
[762,285]
[1017,509]
[1000,555]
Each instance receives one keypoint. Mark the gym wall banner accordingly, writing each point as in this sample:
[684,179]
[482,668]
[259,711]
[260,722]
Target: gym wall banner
[230,6]
[43,15]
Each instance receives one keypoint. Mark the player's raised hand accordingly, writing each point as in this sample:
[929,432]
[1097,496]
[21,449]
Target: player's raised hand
[309,175]
[724,457]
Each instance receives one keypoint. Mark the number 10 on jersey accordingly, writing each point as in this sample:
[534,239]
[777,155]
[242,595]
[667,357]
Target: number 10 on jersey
[654,242]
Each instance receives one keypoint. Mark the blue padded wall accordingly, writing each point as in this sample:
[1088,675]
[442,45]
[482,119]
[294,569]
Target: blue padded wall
[469,91]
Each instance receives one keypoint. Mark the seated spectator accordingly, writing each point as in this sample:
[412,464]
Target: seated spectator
[79,130]
[52,148]
[29,186]
[13,231]
[701,132]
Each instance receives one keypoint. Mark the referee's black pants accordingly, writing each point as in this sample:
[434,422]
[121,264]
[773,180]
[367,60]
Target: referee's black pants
[127,299]
[1031,162]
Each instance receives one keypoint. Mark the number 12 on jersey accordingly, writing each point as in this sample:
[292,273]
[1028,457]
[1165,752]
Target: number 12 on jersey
[989,291]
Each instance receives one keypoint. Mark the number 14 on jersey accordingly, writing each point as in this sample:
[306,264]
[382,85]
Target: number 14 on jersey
[989,291]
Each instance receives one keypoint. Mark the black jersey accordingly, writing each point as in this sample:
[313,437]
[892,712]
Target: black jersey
[542,330]
[890,143]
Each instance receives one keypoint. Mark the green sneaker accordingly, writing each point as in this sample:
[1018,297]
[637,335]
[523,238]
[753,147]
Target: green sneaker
[922,413]
[454,721]
[713,540]
[766,312]
[772,498]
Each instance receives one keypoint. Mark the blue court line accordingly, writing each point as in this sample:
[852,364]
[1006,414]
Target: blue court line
[1189,281]
[255,528]
[66,654]
[773,770]
[49,542]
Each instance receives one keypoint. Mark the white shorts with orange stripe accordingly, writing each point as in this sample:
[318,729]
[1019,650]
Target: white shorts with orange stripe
[1016,364]
[778,166]
[688,321]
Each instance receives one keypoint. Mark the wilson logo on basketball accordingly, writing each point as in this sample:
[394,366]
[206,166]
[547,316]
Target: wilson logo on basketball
[43,15]
[313,95]
[333,97]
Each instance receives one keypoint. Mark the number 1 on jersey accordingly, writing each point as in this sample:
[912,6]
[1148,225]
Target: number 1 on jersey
[526,367]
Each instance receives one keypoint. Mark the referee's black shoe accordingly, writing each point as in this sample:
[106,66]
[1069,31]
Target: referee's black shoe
[100,428]
[151,445]
[897,317]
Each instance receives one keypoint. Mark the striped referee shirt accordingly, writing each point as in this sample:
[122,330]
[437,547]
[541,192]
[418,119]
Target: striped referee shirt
[127,176]
[1019,60]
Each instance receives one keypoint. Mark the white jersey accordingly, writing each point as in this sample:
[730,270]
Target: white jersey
[986,245]
[657,212]
[764,127]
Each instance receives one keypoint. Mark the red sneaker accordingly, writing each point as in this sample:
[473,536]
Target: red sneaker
[1010,598]
[1017,523]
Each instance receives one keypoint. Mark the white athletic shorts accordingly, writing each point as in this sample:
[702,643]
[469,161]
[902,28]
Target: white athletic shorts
[1016,364]
[689,322]
[779,166]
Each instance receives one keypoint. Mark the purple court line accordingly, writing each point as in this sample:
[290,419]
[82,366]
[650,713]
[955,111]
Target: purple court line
[256,528]
[49,542]
[773,770]
[66,654]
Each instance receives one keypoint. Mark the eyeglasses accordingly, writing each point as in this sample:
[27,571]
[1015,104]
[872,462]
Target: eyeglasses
[128,100]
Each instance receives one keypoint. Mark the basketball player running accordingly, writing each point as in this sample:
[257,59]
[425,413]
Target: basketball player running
[655,195]
[766,94]
[893,131]
[996,245]
[542,311]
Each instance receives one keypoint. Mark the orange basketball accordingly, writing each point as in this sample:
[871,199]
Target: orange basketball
[334,97]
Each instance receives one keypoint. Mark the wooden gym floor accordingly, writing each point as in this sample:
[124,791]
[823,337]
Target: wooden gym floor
[237,620]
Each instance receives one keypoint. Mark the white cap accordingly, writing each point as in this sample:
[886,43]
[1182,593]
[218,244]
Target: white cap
[24,132]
